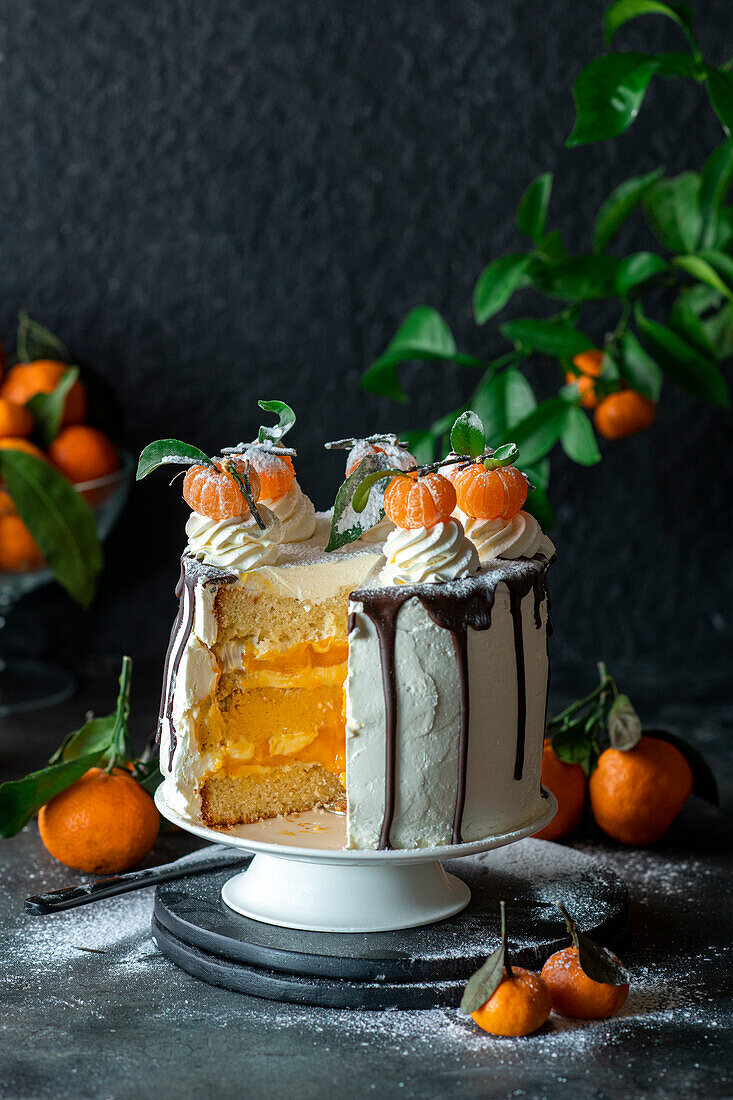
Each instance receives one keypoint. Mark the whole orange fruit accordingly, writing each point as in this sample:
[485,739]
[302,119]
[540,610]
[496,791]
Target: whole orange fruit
[25,380]
[624,413]
[589,362]
[14,419]
[82,454]
[636,795]
[586,389]
[103,823]
[18,550]
[567,782]
[575,994]
[15,443]
[520,1004]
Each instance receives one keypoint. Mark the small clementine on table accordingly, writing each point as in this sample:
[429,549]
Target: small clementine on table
[586,981]
[636,794]
[212,491]
[490,494]
[623,414]
[103,823]
[14,419]
[25,380]
[412,502]
[18,550]
[520,1005]
[83,454]
[568,783]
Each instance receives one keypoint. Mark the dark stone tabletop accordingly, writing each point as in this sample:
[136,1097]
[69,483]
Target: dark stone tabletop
[90,1008]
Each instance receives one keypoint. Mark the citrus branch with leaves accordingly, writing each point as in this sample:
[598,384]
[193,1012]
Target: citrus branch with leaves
[692,220]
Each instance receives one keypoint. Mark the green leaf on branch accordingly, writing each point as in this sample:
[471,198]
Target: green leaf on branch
[672,211]
[47,409]
[702,270]
[502,402]
[538,433]
[532,212]
[580,279]
[719,330]
[715,181]
[608,94]
[683,363]
[551,249]
[683,320]
[578,439]
[20,799]
[423,335]
[497,282]
[37,342]
[553,337]
[621,11]
[60,520]
[638,268]
[675,65]
[622,201]
[467,435]
[639,369]
[721,261]
[720,91]
[166,452]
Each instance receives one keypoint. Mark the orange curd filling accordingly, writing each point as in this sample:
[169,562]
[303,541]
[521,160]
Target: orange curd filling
[307,664]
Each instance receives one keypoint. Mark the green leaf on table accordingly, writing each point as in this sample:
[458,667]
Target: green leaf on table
[578,439]
[532,211]
[704,783]
[683,363]
[638,268]
[622,201]
[621,11]
[639,370]
[537,433]
[47,409]
[166,452]
[580,279]
[285,421]
[467,435]
[702,270]
[348,524]
[672,211]
[502,401]
[482,985]
[597,963]
[720,91]
[683,320]
[60,520]
[497,282]
[715,181]
[36,342]
[608,94]
[552,337]
[20,799]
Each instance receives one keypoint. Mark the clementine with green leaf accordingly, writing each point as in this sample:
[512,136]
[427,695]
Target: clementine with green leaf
[25,380]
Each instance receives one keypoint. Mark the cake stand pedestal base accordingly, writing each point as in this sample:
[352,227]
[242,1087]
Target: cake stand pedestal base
[409,968]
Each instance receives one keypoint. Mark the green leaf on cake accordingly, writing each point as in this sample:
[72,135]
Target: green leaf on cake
[165,452]
[60,520]
[36,342]
[285,421]
[47,409]
[348,525]
[608,94]
[467,435]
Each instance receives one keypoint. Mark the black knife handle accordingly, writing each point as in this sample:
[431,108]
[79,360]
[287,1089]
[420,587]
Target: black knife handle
[70,897]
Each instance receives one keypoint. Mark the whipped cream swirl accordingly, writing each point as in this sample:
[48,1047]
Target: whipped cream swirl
[429,555]
[234,543]
[518,537]
[296,514]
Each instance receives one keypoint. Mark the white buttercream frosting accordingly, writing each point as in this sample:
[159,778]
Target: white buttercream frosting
[429,555]
[296,514]
[378,533]
[234,543]
[518,537]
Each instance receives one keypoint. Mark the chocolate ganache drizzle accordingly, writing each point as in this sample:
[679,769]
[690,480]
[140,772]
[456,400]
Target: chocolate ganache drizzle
[192,572]
[454,606]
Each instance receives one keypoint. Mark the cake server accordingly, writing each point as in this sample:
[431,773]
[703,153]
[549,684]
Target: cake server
[211,858]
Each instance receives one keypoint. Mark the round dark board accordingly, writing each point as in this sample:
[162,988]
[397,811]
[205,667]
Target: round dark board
[411,968]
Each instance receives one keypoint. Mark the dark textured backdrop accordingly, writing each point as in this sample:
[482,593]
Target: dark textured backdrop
[221,200]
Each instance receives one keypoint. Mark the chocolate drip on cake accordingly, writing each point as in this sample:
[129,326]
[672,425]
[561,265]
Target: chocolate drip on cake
[192,572]
[455,607]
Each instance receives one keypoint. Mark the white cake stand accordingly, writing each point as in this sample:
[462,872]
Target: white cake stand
[303,877]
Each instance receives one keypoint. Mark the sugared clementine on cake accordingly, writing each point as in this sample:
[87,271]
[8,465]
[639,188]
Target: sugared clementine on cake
[215,492]
[490,494]
[412,502]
